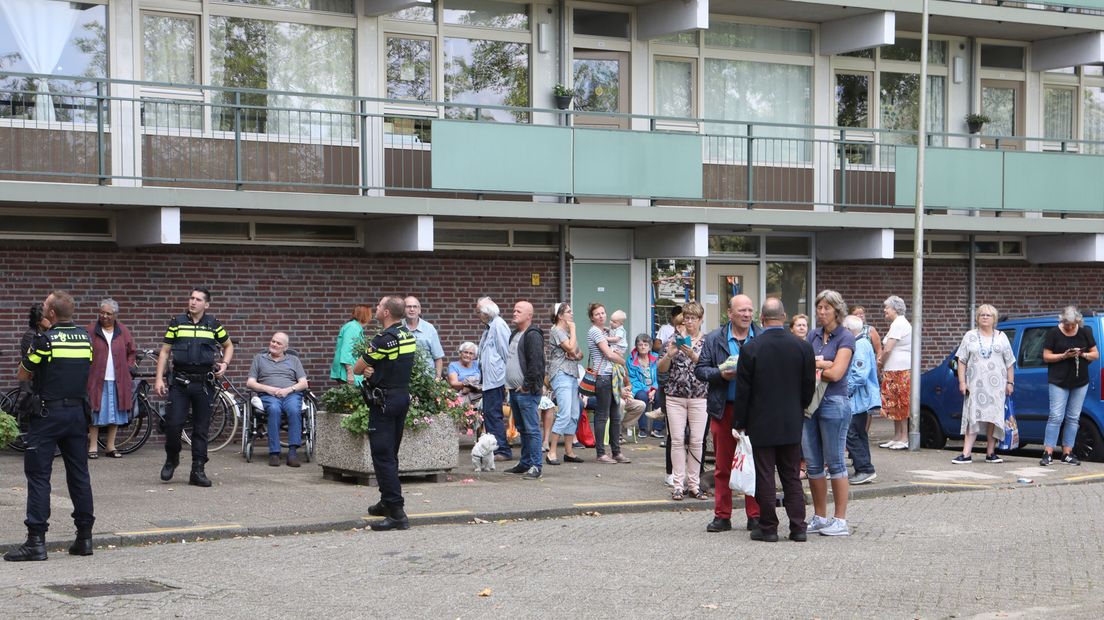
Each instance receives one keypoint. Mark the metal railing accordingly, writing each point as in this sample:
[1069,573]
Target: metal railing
[129,133]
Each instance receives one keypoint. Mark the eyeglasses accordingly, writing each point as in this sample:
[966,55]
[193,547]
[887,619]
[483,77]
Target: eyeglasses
[690,317]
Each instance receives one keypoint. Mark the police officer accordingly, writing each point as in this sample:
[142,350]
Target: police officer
[52,378]
[193,338]
[386,366]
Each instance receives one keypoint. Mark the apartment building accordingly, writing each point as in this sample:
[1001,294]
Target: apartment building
[300,156]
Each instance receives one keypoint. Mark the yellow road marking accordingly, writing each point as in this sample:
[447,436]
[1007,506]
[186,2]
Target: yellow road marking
[642,502]
[1084,477]
[449,513]
[180,530]
[960,485]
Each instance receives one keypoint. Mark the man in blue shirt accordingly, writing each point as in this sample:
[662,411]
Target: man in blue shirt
[425,335]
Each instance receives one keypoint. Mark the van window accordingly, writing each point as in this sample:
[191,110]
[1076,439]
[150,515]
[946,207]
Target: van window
[1031,347]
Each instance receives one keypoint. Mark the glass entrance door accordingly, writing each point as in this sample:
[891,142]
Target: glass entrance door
[601,85]
[721,283]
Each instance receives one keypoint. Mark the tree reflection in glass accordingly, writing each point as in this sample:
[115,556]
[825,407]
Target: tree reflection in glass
[487,73]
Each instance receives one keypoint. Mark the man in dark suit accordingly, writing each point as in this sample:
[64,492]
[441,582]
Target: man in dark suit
[775,378]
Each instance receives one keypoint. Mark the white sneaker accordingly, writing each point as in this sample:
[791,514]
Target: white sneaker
[835,527]
[887,444]
[669,480]
[816,524]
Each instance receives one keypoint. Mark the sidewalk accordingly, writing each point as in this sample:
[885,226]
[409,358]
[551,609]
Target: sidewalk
[252,499]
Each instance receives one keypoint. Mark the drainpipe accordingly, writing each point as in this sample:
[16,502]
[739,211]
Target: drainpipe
[563,262]
[972,283]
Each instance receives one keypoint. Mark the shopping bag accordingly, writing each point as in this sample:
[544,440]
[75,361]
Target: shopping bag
[1011,439]
[742,479]
[584,433]
[586,385]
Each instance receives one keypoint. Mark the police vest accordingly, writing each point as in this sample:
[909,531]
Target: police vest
[60,359]
[195,345]
[391,355]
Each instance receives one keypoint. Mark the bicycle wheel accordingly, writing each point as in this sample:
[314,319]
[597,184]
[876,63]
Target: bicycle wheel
[8,401]
[224,422]
[134,435]
[247,433]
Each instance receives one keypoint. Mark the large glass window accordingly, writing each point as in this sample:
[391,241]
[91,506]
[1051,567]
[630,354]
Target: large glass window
[736,35]
[487,14]
[409,68]
[333,6]
[488,73]
[853,110]
[1058,113]
[900,109]
[672,284]
[169,51]
[1093,109]
[747,91]
[52,38]
[674,87]
[789,282]
[299,58]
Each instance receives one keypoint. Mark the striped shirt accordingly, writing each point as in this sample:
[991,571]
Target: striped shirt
[598,362]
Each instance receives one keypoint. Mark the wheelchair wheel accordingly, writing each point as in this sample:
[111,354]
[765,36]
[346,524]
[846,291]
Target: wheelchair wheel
[308,428]
[248,419]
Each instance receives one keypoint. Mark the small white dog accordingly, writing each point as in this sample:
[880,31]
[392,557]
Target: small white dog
[483,453]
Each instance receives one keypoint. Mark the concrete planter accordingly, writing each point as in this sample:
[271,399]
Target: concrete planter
[429,450]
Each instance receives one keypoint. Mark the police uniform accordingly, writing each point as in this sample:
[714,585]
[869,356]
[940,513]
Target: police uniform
[391,356]
[194,348]
[59,359]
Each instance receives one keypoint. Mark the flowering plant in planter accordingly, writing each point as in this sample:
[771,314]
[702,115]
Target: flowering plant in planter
[429,399]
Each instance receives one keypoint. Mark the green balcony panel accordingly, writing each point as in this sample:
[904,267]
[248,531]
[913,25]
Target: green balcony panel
[1053,182]
[637,163]
[496,157]
[953,178]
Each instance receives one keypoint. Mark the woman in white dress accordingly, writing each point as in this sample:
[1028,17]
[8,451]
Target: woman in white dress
[985,378]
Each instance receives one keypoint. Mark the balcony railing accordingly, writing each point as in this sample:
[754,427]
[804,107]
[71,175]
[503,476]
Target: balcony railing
[118,132]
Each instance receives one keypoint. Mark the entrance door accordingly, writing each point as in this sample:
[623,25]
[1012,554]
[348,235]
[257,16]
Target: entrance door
[1003,101]
[721,283]
[607,284]
[601,85]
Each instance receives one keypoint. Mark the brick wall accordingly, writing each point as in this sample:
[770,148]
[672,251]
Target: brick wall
[1013,287]
[256,291]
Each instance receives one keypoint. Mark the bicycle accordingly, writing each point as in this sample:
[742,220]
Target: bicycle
[225,412]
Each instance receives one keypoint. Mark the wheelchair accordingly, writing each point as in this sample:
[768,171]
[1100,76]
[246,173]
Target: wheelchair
[255,425]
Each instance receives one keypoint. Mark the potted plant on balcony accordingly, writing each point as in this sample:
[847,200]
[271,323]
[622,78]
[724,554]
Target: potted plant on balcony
[975,120]
[430,443]
[563,96]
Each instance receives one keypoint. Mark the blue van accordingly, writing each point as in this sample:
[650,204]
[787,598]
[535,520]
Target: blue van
[941,402]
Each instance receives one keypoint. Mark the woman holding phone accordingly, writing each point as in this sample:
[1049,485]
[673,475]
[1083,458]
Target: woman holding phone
[1067,350]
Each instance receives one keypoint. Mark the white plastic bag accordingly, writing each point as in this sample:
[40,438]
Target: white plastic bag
[742,479]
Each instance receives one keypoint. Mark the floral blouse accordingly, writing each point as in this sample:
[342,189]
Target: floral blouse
[681,382]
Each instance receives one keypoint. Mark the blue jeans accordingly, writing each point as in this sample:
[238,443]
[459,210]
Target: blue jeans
[642,424]
[275,408]
[527,421]
[858,443]
[492,418]
[824,435]
[565,390]
[1064,404]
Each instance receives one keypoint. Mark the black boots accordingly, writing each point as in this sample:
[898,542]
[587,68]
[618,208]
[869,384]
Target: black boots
[377,509]
[198,477]
[395,519]
[83,543]
[169,467]
[33,550]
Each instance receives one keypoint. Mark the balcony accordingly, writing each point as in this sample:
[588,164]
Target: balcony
[114,132]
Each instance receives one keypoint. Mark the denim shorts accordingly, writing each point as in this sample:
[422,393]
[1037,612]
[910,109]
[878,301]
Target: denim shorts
[824,436]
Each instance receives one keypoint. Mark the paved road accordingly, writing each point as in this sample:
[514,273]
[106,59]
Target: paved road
[982,553]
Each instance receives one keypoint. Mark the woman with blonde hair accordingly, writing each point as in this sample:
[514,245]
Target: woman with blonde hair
[685,402]
[985,378]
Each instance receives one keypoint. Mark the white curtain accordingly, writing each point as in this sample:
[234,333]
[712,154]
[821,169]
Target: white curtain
[746,91]
[41,30]
[674,88]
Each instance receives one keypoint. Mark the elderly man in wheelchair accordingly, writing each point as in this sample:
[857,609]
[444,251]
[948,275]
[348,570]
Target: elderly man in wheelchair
[279,380]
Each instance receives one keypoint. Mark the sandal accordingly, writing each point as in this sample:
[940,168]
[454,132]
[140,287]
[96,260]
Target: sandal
[676,495]
[93,455]
[698,494]
[115,454]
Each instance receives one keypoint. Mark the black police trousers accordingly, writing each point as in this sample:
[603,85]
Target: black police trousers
[385,431]
[198,396]
[64,426]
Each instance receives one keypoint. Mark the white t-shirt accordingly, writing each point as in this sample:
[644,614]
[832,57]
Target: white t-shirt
[900,358]
[109,374]
[665,332]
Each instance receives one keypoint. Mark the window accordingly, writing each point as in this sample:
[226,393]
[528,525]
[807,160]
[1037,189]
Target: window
[426,14]
[1002,57]
[1093,103]
[950,246]
[55,226]
[601,23]
[409,68]
[742,90]
[216,229]
[315,233]
[486,72]
[1031,347]
[75,43]
[734,35]
[681,38]
[301,58]
[674,87]
[487,14]
[734,244]
[453,235]
[853,110]
[333,6]
[1058,113]
[673,284]
[169,50]
[899,109]
[788,246]
[908,50]
[789,282]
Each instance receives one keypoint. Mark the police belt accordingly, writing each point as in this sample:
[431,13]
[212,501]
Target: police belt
[186,377]
[64,402]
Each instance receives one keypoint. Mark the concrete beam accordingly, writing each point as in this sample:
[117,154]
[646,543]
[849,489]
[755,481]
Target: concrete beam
[858,33]
[148,227]
[1079,49]
[408,233]
[666,17]
[855,245]
[375,8]
[600,243]
[682,240]
[1066,249]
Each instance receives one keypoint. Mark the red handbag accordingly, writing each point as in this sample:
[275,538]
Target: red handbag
[584,434]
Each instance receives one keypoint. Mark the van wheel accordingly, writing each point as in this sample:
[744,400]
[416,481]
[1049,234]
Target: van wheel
[931,435]
[1089,445]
